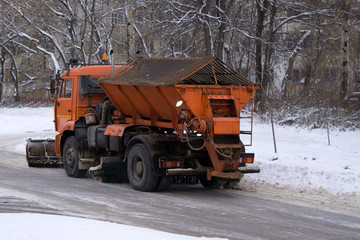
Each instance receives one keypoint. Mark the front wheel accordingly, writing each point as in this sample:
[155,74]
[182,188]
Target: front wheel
[140,170]
[71,157]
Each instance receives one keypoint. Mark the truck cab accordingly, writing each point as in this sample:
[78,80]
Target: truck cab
[78,95]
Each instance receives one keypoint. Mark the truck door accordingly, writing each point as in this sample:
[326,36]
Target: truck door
[63,104]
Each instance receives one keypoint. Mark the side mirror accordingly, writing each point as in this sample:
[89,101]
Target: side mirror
[52,87]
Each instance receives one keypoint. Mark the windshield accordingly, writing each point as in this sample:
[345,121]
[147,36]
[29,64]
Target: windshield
[89,85]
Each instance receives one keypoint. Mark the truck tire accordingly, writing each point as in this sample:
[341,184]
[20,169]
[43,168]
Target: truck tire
[70,157]
[163,184]
[140,170]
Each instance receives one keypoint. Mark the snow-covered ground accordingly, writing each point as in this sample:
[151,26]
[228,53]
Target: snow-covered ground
[304,162]
[24,120]
[20,226]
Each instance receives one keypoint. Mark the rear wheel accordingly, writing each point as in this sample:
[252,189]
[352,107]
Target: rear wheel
[164,183]
[71,157]
[140,170]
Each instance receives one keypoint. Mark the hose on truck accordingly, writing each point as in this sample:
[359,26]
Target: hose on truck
[205,134]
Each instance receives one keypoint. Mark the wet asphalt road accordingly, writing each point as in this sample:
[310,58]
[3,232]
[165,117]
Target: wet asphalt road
[184,209]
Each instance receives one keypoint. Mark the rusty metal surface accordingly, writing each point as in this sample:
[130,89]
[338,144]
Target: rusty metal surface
[171,71]
[227,175]
[116,129]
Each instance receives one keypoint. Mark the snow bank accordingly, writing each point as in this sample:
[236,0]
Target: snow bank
[23,120]
[305,160]
[29,226]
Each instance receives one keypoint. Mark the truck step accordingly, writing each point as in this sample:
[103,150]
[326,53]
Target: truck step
[86,163]
[249,169]
[183,171]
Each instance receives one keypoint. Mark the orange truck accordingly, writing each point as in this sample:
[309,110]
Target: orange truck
[151,122]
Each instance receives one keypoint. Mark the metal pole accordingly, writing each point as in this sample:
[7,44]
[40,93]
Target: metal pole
[112,61]
[273,131]
[328,134]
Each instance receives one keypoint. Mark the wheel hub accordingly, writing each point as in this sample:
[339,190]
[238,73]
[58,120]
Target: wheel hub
[70,157]
[138,169]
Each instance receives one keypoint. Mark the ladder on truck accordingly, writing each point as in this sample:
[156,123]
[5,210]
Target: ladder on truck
[247,116]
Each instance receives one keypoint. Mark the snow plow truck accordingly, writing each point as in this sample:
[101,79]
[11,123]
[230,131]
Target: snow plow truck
[150,122]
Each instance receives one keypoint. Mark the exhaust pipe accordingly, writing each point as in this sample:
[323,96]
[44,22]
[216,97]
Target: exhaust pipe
[112,61]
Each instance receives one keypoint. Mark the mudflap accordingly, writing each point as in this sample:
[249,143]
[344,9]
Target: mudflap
[114,172]
[110,170]
[41,153]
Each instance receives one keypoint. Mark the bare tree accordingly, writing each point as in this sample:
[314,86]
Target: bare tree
[275,43]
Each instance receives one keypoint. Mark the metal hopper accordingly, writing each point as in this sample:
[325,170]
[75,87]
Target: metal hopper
[150,88]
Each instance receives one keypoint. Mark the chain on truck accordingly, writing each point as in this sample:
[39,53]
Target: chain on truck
[150,122]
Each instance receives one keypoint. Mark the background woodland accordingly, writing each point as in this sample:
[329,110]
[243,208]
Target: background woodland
[303,54]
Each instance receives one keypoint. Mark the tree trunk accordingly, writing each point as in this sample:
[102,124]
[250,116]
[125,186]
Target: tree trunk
[207,33]
[258,41]
[2,73]
[15,78]
[221,35]
[308,75]
[267,75]
[288,77]
[259,48]
[92,24]
[344,64]
[130,29]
